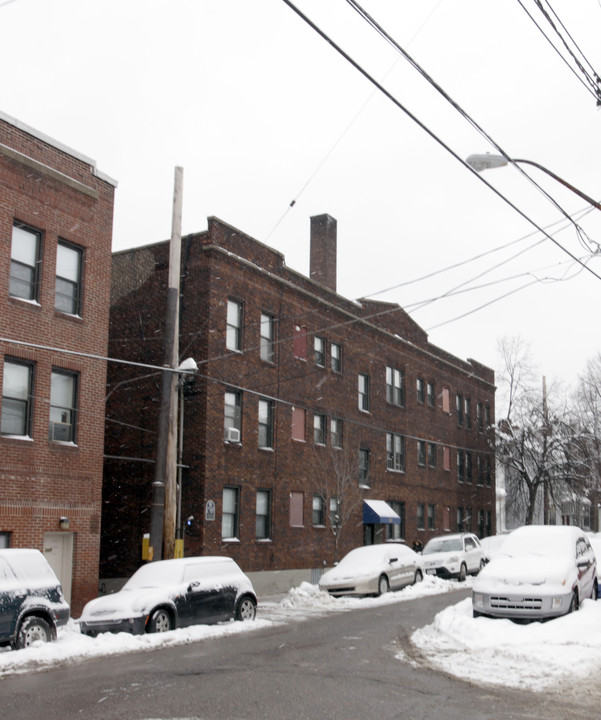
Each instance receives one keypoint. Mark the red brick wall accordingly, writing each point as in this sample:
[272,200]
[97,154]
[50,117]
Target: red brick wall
[209,277]
[40,481]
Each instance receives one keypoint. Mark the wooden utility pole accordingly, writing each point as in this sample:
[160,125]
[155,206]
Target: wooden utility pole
[164,499]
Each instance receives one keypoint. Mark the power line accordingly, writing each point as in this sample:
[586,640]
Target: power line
[590,82]
[343,134]
[385,35]
[435,137]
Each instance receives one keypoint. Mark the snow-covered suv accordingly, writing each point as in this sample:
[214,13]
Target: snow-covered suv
[453,556]
[32,605]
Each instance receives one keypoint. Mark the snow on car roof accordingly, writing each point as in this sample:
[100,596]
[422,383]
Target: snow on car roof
[540,539]
[29,563]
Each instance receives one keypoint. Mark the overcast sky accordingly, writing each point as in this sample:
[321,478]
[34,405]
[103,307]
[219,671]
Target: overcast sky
[259,111]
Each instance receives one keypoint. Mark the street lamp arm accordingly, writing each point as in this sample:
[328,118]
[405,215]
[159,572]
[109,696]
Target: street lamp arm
[588,199]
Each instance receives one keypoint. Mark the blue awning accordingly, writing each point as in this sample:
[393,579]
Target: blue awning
[379,512]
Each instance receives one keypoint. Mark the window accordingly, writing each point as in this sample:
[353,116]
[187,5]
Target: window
[336,432]
[421,453]
[336,357]
[395,386]
[363,383]
[481,524]
[460,466]
[230,513]
[396,532]
[63,403]
[467,405]
[319,510]
[233,336]
[459,409]
[296,509]
[395,452]
[16,398]
[263,516]
[24,262]
[4,540]
[233,415]
[421,390]
[487,418]
[334,512]
[267,343]
[319,348]
[480,469]
[432,455]
[319,429]
[299,342]
[488,472]
[363,467]
[67,296]
[420,516]
[460,520]
[468,467]
[480,417]
[298,424]
[266,423]
[431,392]
[431,524]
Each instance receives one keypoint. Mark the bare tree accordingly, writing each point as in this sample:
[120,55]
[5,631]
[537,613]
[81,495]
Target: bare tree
[337,483]
[587,411]
[535,439]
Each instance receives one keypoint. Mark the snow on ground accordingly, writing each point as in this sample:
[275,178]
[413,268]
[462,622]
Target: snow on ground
[534,656]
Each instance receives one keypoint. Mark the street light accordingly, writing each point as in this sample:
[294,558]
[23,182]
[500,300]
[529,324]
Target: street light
[486,161]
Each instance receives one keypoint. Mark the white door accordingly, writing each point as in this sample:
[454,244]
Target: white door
[58,550]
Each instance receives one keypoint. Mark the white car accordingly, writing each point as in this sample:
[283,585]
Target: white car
[453,556]
[168,594]
[373,570]
[595,541]
[541,571]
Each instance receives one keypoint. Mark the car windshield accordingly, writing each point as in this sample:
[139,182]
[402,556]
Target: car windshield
[437,545]
[156,574]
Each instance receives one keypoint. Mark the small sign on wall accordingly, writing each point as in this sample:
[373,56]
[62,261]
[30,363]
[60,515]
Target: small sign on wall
[210,511]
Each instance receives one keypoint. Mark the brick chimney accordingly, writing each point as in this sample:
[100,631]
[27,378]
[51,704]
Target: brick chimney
[323,251]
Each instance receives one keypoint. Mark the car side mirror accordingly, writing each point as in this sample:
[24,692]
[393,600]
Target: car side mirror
[393,560]
[194,585]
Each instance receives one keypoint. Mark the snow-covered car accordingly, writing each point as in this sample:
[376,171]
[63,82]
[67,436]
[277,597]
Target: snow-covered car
[453,556]
[491,545]
[168,594]
[373,570]
[32,605]
[595,541]
[541,571]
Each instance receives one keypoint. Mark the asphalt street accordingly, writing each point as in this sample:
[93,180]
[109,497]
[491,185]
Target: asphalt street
[345,665]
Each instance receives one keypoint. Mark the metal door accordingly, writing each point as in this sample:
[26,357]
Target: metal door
[58,550]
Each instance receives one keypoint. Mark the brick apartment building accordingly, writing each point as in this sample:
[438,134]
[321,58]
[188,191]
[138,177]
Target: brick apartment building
[306,409]
[56,215]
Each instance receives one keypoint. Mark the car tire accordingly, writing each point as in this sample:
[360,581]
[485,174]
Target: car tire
[419,576]
[246,609]
[482,564]
[462,572]
[477,614]
[33,629]
[383,585]
[575,603]
[160,621]
[595,591]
